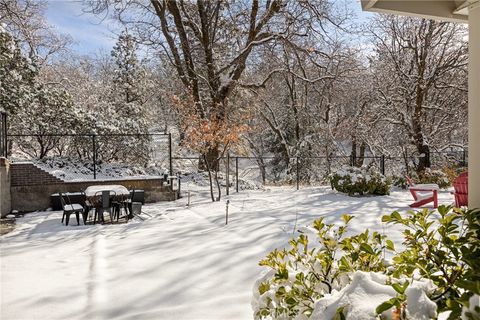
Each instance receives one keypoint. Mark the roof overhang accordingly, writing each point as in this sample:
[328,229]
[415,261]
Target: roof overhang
[448,10]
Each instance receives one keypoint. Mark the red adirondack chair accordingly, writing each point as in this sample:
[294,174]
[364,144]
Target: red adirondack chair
[423,193]
[460,185]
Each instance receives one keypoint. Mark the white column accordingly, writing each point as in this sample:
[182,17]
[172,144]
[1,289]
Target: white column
[474,107]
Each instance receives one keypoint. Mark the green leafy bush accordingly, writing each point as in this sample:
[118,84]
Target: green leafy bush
[359,181]
[445,250]
[437,270]
[434,176]
[399,181]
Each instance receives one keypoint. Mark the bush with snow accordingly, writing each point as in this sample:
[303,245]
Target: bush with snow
[434,176]
[341,277]
[399,181]
[361,181]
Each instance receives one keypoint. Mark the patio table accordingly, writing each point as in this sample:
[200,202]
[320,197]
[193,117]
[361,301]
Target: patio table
[117,192]
[93,195]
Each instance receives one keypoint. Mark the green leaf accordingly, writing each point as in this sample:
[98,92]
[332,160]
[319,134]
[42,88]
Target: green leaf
[396,216]
[385,306]
[367,248]
[339,314]
[346,218]
[263,287]
[399,287]
[390,245]
[291,301]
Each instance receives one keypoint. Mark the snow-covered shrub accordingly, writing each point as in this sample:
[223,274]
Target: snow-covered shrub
[361,298]
[437,271]
[445,250]
[399,181]
[310,269]
[434,176]
[361,181]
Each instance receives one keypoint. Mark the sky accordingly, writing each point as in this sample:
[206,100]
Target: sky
[92,34]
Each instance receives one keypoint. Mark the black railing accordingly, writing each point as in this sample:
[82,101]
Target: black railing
[238,172]
[94,151]
[3,134]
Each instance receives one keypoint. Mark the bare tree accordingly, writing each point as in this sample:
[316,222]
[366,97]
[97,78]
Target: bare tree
[211,43]
[25,20]
[420,79]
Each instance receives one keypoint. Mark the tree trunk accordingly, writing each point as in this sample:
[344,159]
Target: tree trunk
[209,161]
[424,158]
[353,153]
[209,178]
[218,186]
[361,157]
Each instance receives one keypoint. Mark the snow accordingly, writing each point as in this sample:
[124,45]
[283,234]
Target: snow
[360,298]
[78,170]
[177,263]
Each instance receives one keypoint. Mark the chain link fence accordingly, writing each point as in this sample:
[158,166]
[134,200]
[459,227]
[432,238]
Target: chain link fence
[74,157]
[251,173]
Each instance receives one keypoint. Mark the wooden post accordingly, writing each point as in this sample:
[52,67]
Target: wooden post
[298,175]
[226,213]
[228,174]
[236,172]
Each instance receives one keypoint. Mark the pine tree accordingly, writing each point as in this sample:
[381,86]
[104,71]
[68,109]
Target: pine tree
[128,98]
[17,74]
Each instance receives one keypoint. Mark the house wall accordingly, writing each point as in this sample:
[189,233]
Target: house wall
[5,199]
[474,107]
[31,187]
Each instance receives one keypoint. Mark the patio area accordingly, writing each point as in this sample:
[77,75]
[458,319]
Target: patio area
[179,262]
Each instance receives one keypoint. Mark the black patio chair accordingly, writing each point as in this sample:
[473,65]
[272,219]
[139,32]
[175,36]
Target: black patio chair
[88,207]
[118,205]
[71,208]
[105,204]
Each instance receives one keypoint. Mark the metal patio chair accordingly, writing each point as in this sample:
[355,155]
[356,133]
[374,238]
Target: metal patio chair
[71,208]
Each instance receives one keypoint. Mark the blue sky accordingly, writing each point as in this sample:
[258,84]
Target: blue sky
[91,34]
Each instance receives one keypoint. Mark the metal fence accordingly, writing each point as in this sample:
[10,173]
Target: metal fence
[94,156]
[240,173]
[3,134]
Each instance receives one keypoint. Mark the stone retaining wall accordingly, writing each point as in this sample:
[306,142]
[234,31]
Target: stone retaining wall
[5,198]
[31,187]
[27,174]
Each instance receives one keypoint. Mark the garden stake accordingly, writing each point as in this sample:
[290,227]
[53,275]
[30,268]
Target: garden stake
[226,213]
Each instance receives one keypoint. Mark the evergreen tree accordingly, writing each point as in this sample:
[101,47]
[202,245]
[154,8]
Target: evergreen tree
[17,74]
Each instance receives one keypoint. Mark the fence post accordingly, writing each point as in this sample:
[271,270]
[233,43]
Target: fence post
[228,174]
[236,173]
[94,157]
[298,175]
[3,134]
[170,157]
[352,160]
[382,164]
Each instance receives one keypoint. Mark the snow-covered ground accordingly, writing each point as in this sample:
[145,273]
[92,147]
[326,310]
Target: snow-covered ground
[178,263]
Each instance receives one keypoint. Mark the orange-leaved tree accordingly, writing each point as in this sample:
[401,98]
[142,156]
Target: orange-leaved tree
[220,132]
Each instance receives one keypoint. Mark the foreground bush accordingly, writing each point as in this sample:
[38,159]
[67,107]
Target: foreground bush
[360,181]
[328,276]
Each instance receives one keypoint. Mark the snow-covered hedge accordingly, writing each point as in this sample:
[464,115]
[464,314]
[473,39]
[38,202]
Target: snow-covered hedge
[331,276]
[361,181]
[434,176]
